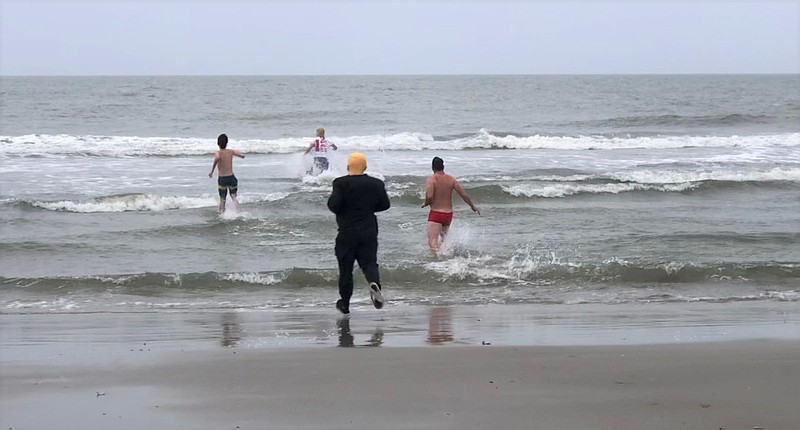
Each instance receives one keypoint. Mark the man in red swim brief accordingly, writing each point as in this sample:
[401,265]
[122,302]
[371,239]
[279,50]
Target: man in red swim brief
[443,218]
[439,189]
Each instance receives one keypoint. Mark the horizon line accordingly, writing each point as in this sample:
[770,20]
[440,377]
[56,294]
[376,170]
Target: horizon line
[401,74]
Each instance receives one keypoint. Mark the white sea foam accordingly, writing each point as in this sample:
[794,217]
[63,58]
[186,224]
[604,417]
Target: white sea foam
[146,202]
[508,178]
[262,197]
[323,178]
[563,190]
[645,180]
[789,296]
[252,278]
[487,140]
[59,304]
[463,267]
[123,146]
[524,262]
[231,214]
[681,177]
[118,280]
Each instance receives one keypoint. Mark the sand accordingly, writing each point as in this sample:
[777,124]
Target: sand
[450,369]
[734,385]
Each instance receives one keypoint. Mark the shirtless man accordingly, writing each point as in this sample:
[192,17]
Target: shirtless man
[226,181]
[439,196]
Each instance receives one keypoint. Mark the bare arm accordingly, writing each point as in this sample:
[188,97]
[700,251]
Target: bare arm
[214,165]
[466,198]
[310,146]
[238,154]
[428,192]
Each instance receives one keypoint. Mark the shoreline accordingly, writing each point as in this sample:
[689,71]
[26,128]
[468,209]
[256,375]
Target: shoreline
[695,366]
[35,337]
[728,385]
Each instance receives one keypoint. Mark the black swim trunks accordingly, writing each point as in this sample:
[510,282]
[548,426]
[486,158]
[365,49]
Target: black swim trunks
[321,163]
[227,183]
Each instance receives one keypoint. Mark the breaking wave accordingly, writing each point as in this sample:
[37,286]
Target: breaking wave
[132,146]
[522,269]
[144,202]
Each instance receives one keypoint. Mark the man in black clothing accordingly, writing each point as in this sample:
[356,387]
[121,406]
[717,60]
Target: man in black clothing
[354,199]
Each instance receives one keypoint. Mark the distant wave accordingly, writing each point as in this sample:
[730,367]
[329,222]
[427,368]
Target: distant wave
[628,122]
[498,188]
[133,146]
[142,202]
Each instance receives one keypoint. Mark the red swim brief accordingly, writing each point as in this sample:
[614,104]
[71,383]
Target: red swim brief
[443,218]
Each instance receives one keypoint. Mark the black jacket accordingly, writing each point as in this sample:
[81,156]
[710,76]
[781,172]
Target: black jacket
[355,199]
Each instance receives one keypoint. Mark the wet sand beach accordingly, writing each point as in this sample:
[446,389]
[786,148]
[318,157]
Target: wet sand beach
[436,367]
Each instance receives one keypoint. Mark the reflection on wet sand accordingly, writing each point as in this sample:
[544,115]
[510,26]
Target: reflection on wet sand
[347,340]
[231,331]
[345,337]
[440,326]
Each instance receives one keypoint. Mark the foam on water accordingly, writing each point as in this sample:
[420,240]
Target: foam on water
[684,177]
[252,278]
[323,178]
[232,213]
[148,202]
[125,146]
[563,190]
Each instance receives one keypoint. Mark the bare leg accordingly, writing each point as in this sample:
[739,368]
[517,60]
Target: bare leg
[443,233]
[434,230]
[235,202]
[221,204]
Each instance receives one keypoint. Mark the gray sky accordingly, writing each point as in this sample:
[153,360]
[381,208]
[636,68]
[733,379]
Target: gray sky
[196,37]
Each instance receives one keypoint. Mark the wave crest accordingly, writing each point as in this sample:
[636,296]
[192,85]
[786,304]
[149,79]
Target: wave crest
[527,267]
[133,146]
[144,203]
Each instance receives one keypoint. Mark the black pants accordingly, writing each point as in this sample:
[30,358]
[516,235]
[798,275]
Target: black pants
[361,247]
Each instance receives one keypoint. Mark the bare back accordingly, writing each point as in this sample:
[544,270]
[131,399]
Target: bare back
[224,159]
[439,191]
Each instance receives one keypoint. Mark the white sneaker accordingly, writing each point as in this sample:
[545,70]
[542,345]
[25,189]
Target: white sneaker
[375,295]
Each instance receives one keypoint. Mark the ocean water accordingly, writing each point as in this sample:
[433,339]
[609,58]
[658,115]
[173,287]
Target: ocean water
[594,190]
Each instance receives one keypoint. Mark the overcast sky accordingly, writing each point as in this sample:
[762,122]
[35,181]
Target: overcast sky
[205,37]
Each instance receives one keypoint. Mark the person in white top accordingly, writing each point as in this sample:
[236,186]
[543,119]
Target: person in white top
[320,146]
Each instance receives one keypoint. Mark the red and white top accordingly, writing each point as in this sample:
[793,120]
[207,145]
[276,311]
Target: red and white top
[321,147]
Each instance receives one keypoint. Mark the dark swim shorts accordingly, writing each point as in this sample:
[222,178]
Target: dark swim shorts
[227,183]
[321,163]
[443,218]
